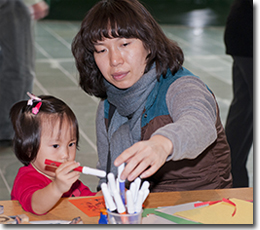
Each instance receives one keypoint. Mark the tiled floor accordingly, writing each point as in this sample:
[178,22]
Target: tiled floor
[56,74]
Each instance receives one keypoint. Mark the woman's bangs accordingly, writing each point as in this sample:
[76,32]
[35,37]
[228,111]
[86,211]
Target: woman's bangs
[111,27]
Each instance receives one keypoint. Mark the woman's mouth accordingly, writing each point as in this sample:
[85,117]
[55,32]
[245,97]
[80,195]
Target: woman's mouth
[119,75]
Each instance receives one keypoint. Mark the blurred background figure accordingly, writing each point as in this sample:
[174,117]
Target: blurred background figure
[238,39]
[17,58]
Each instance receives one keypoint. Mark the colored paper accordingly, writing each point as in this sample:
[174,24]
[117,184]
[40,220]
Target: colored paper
[174,219]
[154,219]
[221,213]
[89,205]
[177,208]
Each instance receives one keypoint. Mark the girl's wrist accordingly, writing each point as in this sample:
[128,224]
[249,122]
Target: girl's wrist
[55,188]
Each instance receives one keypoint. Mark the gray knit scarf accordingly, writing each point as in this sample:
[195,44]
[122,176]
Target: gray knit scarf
[125,125]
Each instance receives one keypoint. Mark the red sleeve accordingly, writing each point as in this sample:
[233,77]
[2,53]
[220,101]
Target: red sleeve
[26,183]
[79,189]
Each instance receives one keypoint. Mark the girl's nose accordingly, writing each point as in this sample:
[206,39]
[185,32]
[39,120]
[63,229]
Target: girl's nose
[116,58]
[65,153]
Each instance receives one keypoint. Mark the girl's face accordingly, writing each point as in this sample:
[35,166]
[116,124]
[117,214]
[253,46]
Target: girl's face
[122,61]
[57,144]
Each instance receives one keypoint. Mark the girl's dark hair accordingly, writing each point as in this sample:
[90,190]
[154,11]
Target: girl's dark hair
[127,19]
[28,126]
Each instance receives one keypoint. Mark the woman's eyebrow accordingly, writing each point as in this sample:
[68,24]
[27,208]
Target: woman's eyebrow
[98,43]
[102,42]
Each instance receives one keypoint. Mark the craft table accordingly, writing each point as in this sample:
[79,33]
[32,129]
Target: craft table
[65,210]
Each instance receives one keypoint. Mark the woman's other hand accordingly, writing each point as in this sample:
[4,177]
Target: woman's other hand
[39,10]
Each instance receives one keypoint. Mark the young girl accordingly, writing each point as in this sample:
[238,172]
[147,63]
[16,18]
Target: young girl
[45,128]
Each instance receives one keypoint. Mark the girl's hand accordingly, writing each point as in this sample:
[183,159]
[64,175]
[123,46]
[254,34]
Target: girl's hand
[65,176]
[144,158]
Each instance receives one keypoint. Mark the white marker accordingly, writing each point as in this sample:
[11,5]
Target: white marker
[133,190]
[112,183]
[121,182]
[146,193]
[94,172]
[137,182]
[130,202]
[108,198]
[139,201]
[120,169]
[145,185]
[117,185]
[119,203]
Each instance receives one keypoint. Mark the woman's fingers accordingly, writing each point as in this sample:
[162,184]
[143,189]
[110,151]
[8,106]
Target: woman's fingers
[138,158]
[144,158]
[126,155]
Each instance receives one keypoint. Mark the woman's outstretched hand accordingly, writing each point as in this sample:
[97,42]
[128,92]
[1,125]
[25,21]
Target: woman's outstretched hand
[144,158]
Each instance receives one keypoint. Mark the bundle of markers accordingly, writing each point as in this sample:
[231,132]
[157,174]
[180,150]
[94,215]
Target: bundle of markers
[117,199]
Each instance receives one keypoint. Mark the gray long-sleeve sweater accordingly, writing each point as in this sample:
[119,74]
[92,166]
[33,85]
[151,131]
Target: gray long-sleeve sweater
[193,110]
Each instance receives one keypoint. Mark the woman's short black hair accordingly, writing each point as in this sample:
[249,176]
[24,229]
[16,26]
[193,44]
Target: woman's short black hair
[126,19]
[28,126]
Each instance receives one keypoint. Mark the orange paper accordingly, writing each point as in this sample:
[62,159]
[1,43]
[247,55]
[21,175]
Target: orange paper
[89,205]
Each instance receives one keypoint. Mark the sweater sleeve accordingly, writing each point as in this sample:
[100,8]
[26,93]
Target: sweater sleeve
[102,140]
[193,110]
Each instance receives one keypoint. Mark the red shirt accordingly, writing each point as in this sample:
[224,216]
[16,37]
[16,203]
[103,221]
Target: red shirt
[28,181]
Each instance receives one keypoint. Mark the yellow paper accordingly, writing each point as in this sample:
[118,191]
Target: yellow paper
[221,213]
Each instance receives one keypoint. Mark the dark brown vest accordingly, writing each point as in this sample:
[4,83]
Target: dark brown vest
[210,170]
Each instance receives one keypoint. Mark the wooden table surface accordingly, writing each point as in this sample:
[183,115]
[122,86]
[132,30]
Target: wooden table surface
[64,210]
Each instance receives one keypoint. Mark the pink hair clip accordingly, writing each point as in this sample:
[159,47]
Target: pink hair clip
[32,97]
[36,109]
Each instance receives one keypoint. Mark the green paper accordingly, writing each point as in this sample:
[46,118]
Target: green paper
[172,218]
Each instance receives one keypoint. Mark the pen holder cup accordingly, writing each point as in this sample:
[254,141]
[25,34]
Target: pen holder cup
[116,218]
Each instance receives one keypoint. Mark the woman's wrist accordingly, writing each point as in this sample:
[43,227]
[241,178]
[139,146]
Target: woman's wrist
[165,143]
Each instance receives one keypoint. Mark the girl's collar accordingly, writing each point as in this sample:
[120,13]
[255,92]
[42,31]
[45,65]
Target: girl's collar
[39,171]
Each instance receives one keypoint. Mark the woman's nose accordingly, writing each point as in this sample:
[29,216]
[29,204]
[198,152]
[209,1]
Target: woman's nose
[116,58]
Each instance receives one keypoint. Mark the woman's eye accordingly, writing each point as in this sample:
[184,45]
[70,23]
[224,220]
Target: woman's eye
[100,51]
[55,146]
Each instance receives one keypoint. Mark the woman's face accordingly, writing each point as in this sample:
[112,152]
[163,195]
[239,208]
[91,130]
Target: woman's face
[122,61]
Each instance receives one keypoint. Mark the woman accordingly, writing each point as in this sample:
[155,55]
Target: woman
[155,115]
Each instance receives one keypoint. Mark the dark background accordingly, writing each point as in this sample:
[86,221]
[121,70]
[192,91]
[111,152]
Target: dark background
[178,12]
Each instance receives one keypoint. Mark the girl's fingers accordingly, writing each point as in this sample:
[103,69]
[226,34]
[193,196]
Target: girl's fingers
[67,167]
[73,175]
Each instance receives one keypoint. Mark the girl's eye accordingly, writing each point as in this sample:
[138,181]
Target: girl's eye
[126,44]
[55,146]
[72,144]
